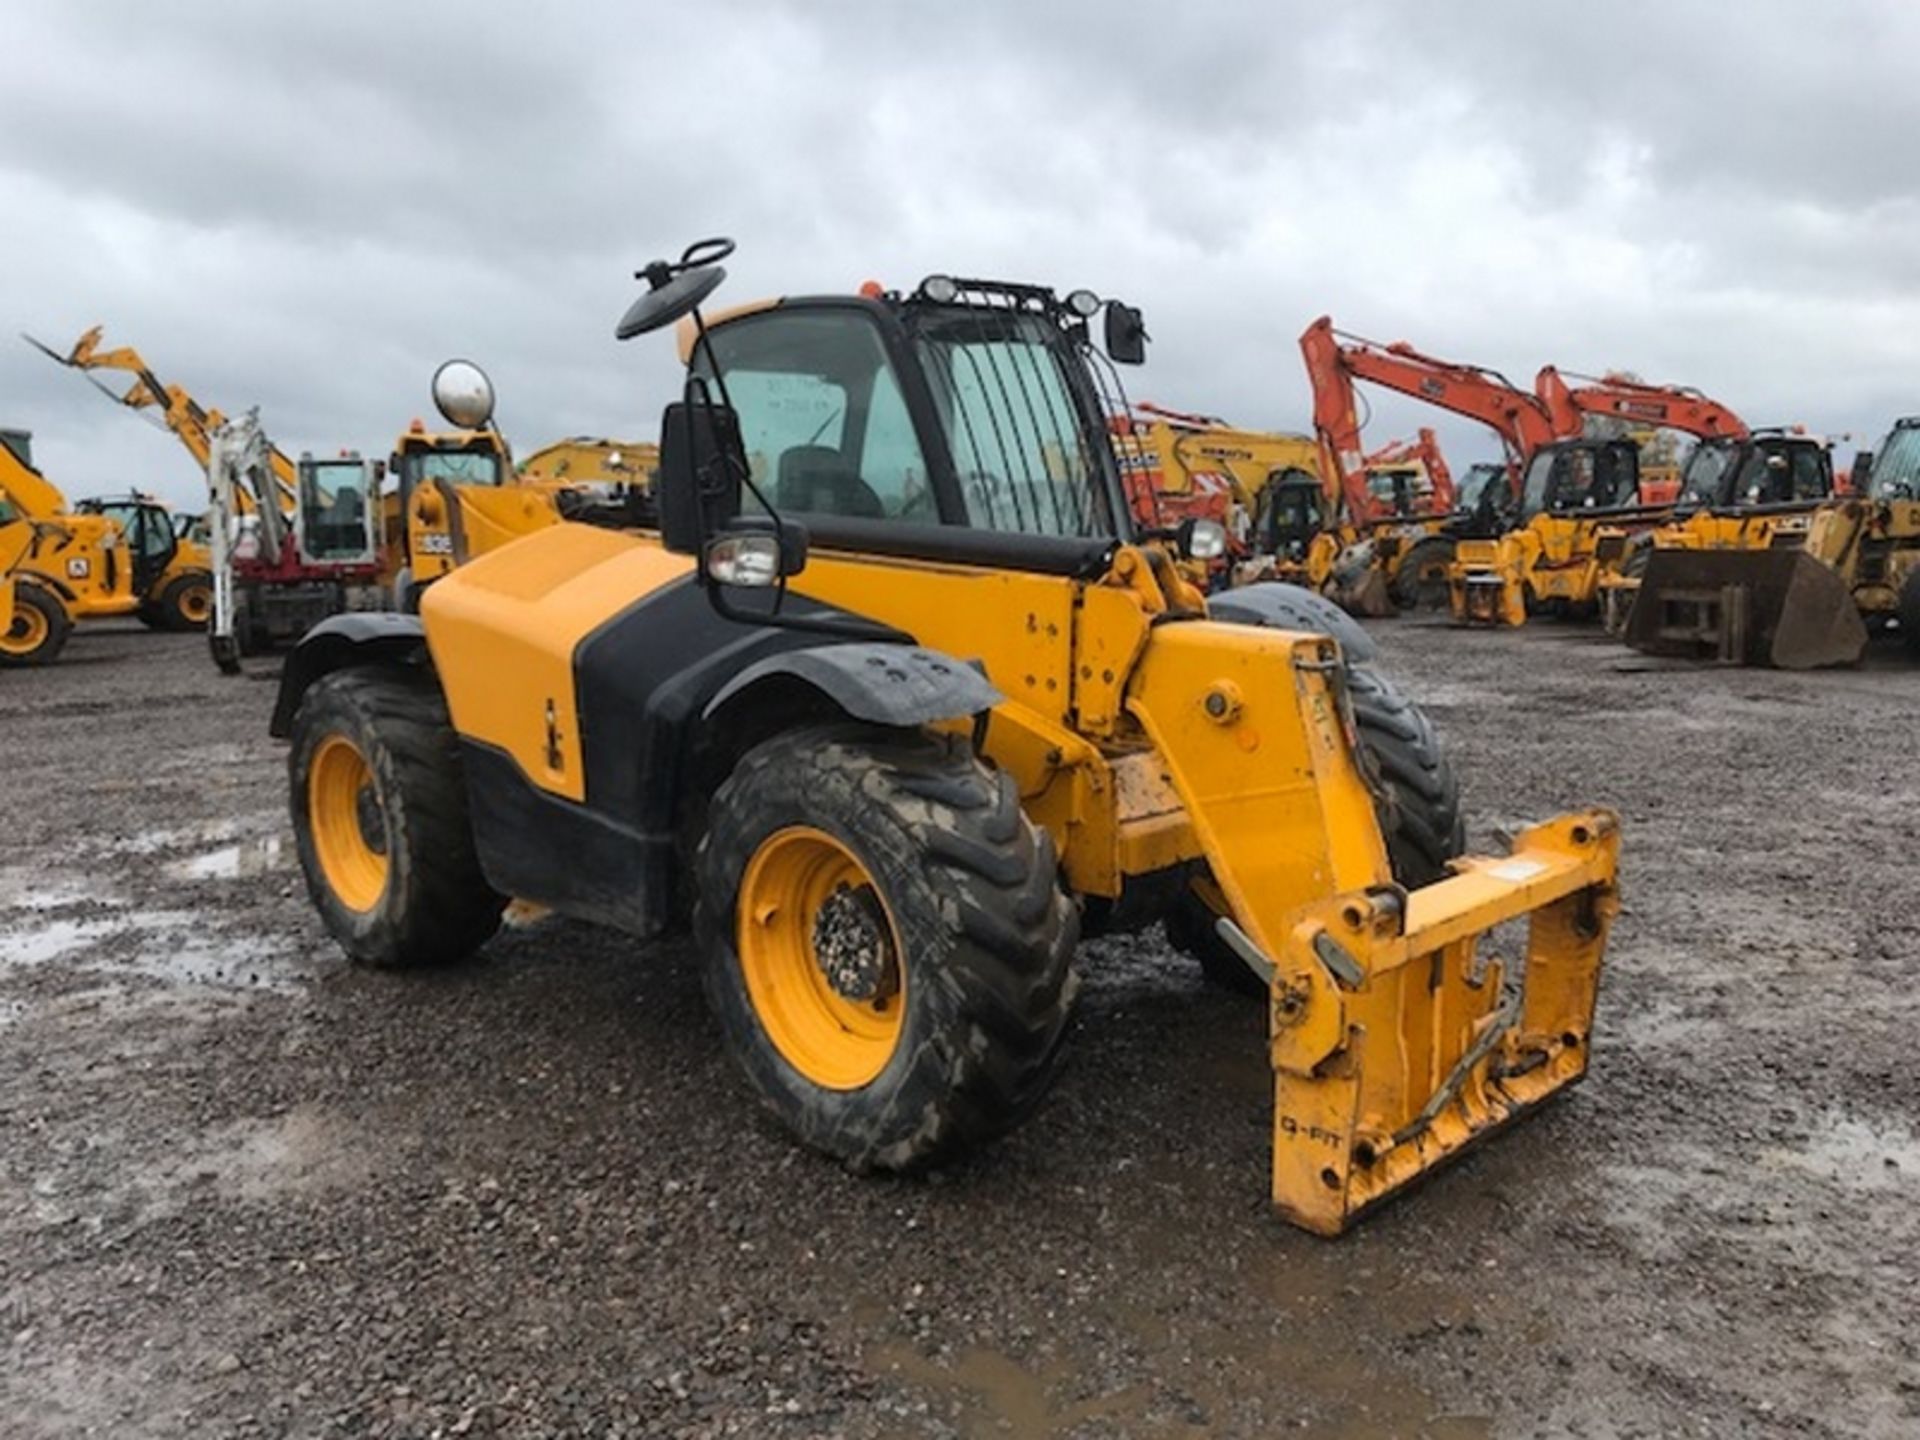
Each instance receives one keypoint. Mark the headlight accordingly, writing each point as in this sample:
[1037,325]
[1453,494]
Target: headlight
[941,289]
[1207,540]
[1084,303]
[748,560]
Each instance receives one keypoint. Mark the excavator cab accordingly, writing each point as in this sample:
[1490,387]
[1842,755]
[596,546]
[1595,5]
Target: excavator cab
[1293,511]
[338,520]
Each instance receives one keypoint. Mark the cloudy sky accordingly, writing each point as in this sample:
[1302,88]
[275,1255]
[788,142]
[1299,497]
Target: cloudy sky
[306,207]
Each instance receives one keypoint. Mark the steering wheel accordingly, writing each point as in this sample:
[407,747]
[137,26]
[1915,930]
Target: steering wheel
[675,287]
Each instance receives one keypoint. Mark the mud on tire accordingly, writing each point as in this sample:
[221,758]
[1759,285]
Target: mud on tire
[1417,799]
[433,905]
[985,937]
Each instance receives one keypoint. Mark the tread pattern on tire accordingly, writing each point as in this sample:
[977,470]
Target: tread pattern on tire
[973,887]
[1405,590]
[438,907]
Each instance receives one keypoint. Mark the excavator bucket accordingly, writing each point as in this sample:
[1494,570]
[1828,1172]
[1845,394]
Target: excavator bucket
[1778,608]
[1397,1042]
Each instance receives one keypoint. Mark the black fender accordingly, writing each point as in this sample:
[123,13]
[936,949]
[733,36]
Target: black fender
[371,637]
[1280,606]
[880,682]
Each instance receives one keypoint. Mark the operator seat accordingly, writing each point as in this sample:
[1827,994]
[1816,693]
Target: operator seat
[818,479]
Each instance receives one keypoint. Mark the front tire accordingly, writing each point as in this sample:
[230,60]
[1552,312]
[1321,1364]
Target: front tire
[380,821]
[885,943]
[37,631]
[1417,801]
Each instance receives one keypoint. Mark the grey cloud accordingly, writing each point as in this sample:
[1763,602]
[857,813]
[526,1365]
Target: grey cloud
[306,208]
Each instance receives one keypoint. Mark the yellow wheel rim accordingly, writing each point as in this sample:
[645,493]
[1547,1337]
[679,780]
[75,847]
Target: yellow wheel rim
[195,604]
[820,955]
[348,827]
[26,633]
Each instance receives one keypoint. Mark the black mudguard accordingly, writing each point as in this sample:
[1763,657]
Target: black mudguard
[361,638]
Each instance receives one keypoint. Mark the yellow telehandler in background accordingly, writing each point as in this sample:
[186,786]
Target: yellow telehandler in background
[906,711]
[69,567]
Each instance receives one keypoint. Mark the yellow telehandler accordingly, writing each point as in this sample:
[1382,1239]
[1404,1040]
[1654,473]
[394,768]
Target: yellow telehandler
[69,567]
[903,715]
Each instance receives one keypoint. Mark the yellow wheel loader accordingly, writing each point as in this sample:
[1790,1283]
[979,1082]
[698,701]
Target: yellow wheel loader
[892,708]
[1730,577]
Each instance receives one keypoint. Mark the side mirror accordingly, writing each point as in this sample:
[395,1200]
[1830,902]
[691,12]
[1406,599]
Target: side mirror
[1126,334]
[463,394]
[701,462]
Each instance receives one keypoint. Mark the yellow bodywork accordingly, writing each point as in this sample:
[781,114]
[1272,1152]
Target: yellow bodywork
[84,560]
[1873,545]
[1143,737]
[581,460]
[1551,560]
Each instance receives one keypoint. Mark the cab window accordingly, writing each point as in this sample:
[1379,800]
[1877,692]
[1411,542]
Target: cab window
[826,428]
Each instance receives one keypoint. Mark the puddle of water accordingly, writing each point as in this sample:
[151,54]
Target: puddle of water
[1855,1156]
[171,946]
[239,861]
[19,948]
[30,888]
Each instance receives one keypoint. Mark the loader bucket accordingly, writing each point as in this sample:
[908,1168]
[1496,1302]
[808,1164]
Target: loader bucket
[1779,608]
[1397,1044]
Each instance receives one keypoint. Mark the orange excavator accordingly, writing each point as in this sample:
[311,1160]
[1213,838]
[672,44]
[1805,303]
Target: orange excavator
[1415,558]
[1410,477]
[1642,406]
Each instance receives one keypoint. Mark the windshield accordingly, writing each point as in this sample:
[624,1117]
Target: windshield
[1770,470]
[459,467]
[1469,490]
[1896,466]
[1581,477]
[1703,481]
[334,505]
[1003,392]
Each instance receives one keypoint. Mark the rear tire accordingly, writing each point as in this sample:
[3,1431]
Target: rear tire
[1421,583]
[1417,802]
[948,1029]
[37,631]
[380,821]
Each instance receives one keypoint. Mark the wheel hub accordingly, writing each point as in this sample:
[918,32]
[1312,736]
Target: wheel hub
[852,947]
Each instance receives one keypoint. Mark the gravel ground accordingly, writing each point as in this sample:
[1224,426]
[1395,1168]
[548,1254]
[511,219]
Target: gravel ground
[248,1190]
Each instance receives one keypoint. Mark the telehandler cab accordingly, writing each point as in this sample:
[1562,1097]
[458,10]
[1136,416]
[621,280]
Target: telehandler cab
[895,707]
